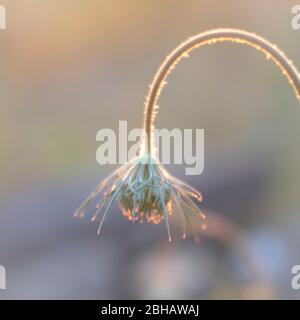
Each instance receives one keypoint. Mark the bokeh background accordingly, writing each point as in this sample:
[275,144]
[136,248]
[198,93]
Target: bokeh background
[70,68]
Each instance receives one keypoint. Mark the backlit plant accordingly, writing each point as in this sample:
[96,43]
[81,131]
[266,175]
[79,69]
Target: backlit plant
[143,188]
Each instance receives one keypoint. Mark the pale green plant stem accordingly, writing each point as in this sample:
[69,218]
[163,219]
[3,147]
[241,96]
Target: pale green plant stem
[212,37]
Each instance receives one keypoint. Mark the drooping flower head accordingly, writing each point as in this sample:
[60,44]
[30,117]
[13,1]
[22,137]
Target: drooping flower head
[146,191]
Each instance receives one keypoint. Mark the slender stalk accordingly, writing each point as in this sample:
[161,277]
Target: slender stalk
[212,37]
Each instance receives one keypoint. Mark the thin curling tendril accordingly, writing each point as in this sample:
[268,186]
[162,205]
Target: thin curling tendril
[270,50]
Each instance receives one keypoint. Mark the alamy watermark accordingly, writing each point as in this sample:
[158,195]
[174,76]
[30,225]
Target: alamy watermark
[295,283]
[2,278]
[188,146]
[296,17]
[2,17]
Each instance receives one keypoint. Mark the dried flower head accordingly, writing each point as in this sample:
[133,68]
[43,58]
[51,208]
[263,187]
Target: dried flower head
[146,191]
[143,188]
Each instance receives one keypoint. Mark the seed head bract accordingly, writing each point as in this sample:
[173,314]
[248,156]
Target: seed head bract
[146,191]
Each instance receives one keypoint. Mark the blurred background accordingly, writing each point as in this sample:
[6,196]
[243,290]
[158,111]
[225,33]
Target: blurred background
[70,68]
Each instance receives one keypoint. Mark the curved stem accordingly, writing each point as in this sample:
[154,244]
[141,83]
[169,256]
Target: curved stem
[212,37]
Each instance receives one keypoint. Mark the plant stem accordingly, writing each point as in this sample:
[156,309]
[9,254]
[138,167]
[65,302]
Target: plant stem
[212,37]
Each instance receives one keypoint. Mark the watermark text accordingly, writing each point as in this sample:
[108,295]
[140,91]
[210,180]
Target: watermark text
[296,17]
[2,278]
[169,146]
[296,278]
